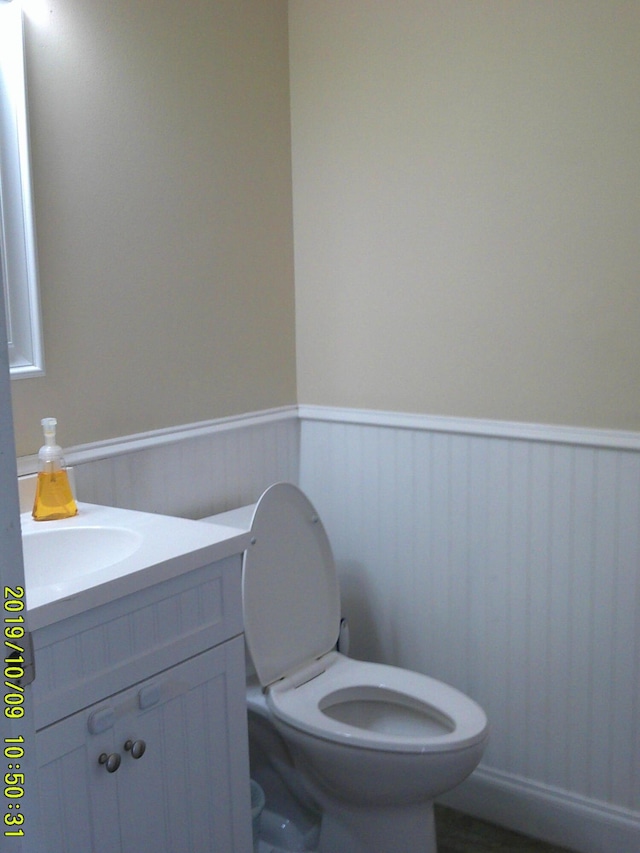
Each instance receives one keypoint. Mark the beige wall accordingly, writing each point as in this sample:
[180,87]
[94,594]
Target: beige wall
[466,195]
[162,182]
[467,207]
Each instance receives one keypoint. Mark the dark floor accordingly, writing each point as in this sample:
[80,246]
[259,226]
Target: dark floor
[458,833]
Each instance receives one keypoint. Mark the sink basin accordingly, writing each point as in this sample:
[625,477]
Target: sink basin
[53,556]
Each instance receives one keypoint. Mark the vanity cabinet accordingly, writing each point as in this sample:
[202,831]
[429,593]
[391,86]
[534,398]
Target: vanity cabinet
[141,721]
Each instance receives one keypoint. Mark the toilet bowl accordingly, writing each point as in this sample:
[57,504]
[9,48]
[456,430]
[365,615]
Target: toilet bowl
[379,733]
[373,744]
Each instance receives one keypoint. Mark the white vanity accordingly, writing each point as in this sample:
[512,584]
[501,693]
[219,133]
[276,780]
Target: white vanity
[139,693]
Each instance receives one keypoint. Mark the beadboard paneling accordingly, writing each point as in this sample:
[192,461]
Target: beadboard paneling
[200,473]
[501,558]
[505,566]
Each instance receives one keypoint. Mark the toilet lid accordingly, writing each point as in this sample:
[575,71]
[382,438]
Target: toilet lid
[290,592]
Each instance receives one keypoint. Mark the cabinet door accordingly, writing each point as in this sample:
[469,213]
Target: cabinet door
[188,792]
[78,798]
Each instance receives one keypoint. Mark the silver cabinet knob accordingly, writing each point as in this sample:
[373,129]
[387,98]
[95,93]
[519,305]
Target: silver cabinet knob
[112,761]
[135,747]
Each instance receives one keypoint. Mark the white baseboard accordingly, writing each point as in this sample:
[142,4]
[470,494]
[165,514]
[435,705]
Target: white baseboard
[547,813]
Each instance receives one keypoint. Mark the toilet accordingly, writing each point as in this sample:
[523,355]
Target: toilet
[372,745]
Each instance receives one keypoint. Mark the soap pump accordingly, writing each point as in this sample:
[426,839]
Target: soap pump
[54,498]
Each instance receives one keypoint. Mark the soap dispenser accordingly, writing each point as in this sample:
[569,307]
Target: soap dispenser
[54,498]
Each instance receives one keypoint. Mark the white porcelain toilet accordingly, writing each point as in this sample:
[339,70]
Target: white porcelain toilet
[373,744]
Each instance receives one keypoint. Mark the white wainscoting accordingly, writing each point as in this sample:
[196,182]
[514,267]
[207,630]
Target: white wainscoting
[501,558]
[505,560]
[191,471]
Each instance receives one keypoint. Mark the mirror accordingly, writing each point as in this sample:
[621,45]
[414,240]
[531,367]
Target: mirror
[18,267]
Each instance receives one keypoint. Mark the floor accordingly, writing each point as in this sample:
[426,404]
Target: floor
[458,833]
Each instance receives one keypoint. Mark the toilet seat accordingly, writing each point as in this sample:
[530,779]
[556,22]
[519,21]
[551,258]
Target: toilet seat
[290,593]
[414,714]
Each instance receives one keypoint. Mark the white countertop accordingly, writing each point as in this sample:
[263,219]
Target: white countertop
[167,547]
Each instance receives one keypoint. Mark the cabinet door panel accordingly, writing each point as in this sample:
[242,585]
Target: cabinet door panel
[78,798]
[179,797]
